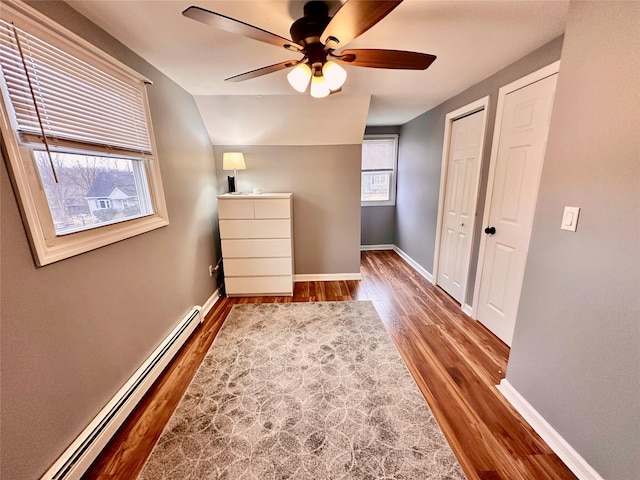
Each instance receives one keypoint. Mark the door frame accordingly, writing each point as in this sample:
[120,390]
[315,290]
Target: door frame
[533,77]
[471,108]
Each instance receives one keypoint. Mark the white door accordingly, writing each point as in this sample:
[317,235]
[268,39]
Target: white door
[518,164]
[463,169]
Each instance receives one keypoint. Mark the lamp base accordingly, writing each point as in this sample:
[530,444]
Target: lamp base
[232,183]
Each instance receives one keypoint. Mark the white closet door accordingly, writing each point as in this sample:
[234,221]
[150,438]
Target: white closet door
[460,203]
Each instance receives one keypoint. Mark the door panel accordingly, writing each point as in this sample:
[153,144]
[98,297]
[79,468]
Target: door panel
[511,185]
[460,203]
[498,283]
[520,155]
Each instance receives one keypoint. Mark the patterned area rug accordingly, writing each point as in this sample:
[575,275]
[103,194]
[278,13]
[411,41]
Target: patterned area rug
[302,391]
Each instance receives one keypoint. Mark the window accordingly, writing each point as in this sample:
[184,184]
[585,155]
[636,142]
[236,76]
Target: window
[77,130]
[379,163]
[86,184]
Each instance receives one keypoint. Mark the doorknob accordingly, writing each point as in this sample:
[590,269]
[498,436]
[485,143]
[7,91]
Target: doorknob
[490,230]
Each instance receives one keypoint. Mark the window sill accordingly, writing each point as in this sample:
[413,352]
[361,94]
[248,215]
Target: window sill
[387,203]
[61,247]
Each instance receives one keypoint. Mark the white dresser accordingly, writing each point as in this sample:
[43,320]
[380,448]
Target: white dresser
[256,232]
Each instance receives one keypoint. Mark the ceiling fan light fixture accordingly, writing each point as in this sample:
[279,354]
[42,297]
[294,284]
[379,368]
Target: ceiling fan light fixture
[334,74]
[316,35]
[299,77]
[319,87]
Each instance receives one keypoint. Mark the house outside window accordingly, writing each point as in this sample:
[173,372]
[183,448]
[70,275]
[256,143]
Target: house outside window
[77,131]
[87,185]
[379,167]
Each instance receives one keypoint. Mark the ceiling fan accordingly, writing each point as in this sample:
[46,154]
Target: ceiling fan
[317,36]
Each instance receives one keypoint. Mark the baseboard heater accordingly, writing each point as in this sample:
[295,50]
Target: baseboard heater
[76,459]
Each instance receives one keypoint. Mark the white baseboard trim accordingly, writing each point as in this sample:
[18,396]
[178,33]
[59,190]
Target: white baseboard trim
[419,268]
[468,309]
[79,456]
[383,246]
[559,445]
[326,277]
[208,305]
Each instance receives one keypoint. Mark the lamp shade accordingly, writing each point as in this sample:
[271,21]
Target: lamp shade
[299,77]
[319,88]
[334,74]
[233,161]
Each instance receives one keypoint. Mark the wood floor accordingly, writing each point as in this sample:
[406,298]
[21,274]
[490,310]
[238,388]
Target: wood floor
[455,361]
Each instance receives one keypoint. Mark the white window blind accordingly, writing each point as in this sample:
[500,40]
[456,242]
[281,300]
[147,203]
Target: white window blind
[79,105]
[378,154]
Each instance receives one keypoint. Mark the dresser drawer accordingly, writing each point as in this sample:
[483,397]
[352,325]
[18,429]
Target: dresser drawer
[255,229]
[272,208]
[257,267]
[251,248]
[235,208]
[236,286]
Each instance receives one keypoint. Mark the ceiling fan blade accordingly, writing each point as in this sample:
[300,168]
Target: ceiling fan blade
[263,71]
[238,27]
[375,58]
[353,19]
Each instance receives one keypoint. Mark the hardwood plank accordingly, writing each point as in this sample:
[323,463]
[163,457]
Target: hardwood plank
[455,361]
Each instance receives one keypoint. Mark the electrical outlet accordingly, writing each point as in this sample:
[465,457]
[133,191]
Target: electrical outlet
[211,270]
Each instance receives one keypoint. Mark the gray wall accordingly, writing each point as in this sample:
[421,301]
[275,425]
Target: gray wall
[378,223]
[576,347]
[326,199]
[420,158]
[74,331]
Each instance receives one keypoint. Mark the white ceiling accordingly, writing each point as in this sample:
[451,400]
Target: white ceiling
[472,40]
[284,119]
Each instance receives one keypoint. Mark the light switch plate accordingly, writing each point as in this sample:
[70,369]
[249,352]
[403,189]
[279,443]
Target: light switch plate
[570,218]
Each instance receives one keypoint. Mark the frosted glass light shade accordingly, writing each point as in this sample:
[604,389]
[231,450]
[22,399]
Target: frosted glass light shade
[334,74]
[299,77]
[319,87]
[233,161]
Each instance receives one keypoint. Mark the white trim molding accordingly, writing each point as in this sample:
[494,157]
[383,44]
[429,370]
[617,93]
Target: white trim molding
[533,77]
[416,266]
[208,304]
[474,107]
[466,308]
[572,459]
[326,277]
[383,246]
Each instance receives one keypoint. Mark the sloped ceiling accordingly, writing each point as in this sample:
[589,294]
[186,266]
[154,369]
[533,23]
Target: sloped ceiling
[284,119]
[472,40]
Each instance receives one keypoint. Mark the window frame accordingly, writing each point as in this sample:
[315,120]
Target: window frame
[394,172]
[46,245]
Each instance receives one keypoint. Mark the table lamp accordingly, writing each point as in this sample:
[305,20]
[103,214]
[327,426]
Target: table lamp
[233,161]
